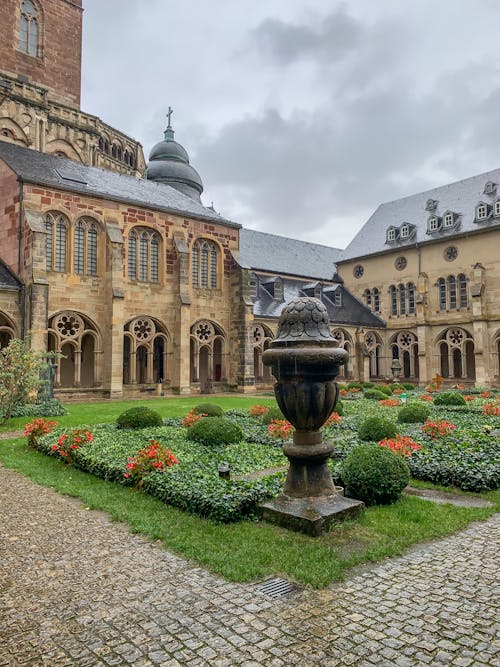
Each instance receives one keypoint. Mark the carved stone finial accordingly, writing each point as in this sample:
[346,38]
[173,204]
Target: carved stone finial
[303,320]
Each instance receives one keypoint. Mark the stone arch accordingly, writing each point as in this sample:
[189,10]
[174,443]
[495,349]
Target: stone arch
[12,132]
[456,354]
[344,341]
[61,146]
[146,347]
[373,348]
[77,342]
[208,345]
[261,339]
[8,330]
[404,347]
[496,352]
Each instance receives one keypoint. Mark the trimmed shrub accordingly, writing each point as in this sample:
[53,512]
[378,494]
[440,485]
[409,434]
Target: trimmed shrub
[368,385]
[339,408]
[385,389]
[375,394]
[413,413]
[355,385]
[208,410]
[50,408]
[449,398]
[408,385]
[374,475]
[273,413]
[140,417]
[377,428]
[215,431]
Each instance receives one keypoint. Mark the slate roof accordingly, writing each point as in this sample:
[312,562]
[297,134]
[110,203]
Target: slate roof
[7,279]
[461,197]
[50,170]
[278,254]
[352,311]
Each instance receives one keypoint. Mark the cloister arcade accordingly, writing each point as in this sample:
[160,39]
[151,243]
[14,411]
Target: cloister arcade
[261,338]
[208,345]
[146,347]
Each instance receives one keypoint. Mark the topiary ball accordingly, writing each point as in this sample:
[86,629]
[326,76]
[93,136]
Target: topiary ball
[376,428]
[449,398]
[208,410]
[273,413]
[374,395]
[413,413]
[384,388]
[374,475]
[140,417]
[215,431]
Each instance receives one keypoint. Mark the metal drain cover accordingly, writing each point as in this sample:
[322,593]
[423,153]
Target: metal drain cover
[277,588]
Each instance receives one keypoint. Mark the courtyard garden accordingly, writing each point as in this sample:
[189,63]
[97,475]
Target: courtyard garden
[192,473]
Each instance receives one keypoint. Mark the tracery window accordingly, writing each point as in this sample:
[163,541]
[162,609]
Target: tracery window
[143,255]
[29,28]
[56,228]
[204,260]
[402,299]
[85,247]
[452,292]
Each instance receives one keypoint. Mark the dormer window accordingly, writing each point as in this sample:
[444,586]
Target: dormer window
[317,291]
[497,207]
[338,298]
[278,290]
[405,231]
[391,234]
[433,224]
[490,188]
[481,212]
[448,220]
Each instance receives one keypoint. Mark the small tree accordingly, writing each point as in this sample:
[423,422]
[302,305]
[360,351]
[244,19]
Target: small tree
[20,370]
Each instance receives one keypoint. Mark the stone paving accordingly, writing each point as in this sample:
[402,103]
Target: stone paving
[77,590]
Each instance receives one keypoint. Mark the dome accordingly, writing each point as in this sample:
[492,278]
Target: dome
[169,163]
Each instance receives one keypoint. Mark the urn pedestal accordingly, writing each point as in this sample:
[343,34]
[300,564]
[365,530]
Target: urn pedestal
[305,361]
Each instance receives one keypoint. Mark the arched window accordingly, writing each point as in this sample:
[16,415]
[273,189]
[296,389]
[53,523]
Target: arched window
[452,292]
[29,28]
[402,299]
[394,300]
[462,290]
[56,228]
[204,260]
[376,300]
[441,285]
[143,255]
[367,295]
[85,247]
[410,288]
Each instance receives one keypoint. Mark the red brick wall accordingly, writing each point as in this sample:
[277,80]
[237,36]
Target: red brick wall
[9,210]
[58,64]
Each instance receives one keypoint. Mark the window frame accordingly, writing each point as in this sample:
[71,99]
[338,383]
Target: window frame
[480,207]
[58,262]
[29,29]
[86,263]
[205,260]
[144,263]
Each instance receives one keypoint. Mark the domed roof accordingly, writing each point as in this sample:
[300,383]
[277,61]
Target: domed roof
[169,163]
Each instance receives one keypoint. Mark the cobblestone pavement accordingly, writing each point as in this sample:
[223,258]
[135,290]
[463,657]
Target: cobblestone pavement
[79,591]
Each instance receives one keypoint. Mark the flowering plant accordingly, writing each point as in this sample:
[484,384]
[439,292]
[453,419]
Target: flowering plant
[153,458]
[191,418]
[68,443]
[485,394]
[389,402]
[258,410]
[343,392]
[491,410]
[280,429]
[398,391]
[468,397]
[354,390]
[426,397]
[437,429]
[402,445]
[37,428]
[334,418]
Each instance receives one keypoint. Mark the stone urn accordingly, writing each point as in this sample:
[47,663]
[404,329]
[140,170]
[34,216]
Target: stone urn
[305,360]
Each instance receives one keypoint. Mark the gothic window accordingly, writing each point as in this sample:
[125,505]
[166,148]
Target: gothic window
[29,28]
[56,228]
[376,300]
[85,247]
[204,261]
[143,260]
[452,292]
[441,283]
[410,288]
[462,290]
[402,299]
[368,297]
[394,300]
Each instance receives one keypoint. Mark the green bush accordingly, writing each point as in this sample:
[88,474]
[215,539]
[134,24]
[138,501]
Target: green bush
[449,398]
[374,475]
[384,388]
[273,413]
[408,386]
[375,395]
[50,408]
[377,428]
[215,431]
[339,408]
[209,410]
[413,413]
[368,385]
[140,417]
[355,385]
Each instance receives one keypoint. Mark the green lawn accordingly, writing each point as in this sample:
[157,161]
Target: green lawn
[250,549]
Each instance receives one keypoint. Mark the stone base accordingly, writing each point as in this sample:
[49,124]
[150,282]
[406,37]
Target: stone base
[312,516]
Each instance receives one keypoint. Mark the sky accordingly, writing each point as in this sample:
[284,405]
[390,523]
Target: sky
[302,116]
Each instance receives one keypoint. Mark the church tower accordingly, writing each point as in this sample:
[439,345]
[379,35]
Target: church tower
[40,79]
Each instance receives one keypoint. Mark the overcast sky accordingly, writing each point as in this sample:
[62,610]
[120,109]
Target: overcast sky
[302,116]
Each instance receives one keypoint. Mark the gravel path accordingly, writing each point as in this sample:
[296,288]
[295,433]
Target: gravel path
[77,590]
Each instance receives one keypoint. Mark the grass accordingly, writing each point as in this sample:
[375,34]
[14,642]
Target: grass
[249,550]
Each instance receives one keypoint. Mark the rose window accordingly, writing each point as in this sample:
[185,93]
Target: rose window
[401,263]
[451,253]
[358,271]
[405,339]
[258,334]
[69,325]
[339,337]
[143,328]
[369,341]
[204,332]
[455,336]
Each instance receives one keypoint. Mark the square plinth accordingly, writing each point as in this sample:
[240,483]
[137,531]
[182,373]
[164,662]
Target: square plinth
[312,516]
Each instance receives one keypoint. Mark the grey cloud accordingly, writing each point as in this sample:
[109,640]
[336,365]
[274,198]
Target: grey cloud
[329,40]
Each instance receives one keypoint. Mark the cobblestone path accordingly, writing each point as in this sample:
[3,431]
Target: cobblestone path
[79,591]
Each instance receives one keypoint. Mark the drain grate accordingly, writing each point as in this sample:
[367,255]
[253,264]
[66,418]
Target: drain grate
[277,588]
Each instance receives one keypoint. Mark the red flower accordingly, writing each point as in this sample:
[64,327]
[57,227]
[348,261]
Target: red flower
[401,444]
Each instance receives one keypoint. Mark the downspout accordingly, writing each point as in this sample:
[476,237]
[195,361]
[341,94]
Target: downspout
[22,292]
